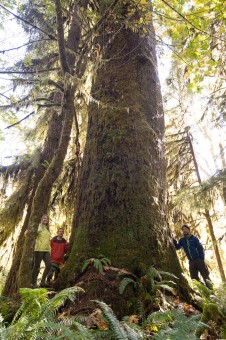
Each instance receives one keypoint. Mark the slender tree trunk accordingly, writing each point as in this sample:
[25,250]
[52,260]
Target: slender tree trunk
[207,215]
[224,168]
[50,147]
[121,191]
[45,186]
[43,192]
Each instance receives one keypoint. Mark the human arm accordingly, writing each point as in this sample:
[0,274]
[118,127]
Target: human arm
[66,248]
[177,245]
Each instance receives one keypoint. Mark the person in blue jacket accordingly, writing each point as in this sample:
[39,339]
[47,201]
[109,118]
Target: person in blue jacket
[195,254]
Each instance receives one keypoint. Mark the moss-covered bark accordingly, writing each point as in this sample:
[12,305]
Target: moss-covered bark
[43,192]
[121,191]
[50,146]
[44,187]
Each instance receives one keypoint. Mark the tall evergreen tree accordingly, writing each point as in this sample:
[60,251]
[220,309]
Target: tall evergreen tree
[120,206]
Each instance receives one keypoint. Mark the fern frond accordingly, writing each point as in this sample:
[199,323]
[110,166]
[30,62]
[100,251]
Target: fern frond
[98,265]
[140,308]
[133,334]
[59,299]
[80,318]
[84,331]
[162,286]
[106,261]
[105,335]
[160,317]
[86,263]
[152,274]
[168,281]
[175,325]
[203,290]
[124,283]
[33,299]
[112,321]
[2,327]
[52,328]
[168,274]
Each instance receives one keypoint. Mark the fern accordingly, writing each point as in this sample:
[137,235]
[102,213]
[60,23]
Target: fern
[175,325]
[160,317]
[162,286]
[51,329]
[112,321]
[214,302]
[59,299]
[124,283]
[82,332]
[33,299]
[106,261]
[118,330]
[133,334]
[98,263]
[147,286]
[202,290]
[86,263]
[2,326]
[36,319]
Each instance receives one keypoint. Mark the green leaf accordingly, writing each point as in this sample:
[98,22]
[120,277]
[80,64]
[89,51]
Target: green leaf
[124,283]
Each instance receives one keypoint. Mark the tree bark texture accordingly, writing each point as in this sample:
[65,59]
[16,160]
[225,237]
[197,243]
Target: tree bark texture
[121,191]
[43,192]
[49,149]
[45,185]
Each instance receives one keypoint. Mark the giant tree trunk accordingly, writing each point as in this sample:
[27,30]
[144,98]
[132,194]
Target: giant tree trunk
[121,191]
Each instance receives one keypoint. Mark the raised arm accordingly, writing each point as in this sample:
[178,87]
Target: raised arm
[177,244]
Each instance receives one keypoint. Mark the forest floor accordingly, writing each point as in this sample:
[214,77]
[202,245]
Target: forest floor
[161,316]
[106,286]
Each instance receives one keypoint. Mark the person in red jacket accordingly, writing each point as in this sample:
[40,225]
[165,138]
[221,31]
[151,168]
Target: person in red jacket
[59,247]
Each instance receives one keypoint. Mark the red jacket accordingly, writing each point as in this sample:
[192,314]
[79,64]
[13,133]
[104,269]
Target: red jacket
[58,249]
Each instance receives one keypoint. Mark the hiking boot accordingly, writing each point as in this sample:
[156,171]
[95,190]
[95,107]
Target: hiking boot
[44,285]
[33,285]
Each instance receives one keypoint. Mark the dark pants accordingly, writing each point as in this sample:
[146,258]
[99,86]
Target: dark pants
[38,257]
[198,266]
[55,269]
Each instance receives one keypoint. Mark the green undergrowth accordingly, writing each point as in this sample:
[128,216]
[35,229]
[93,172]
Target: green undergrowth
[42,314]
[214,307]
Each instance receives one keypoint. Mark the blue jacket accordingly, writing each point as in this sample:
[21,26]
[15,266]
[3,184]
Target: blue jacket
[192,247]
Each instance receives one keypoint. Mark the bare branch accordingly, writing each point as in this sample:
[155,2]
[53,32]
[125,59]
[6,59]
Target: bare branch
[29,72]
[19,121]
[1,94]
[30,42]
[28,23]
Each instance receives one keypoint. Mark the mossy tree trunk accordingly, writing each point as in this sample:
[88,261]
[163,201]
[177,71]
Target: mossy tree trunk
[44,187]
[49,149]
[43,193]
[120,209]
